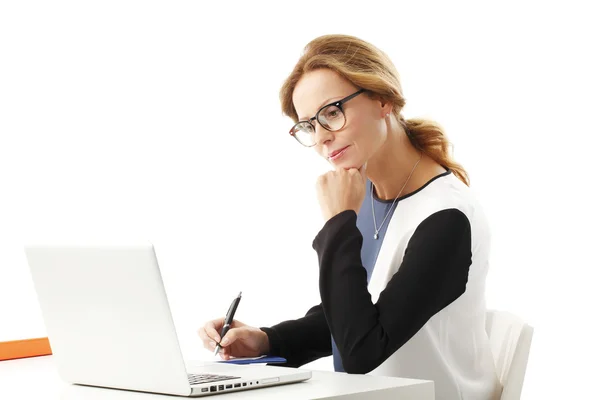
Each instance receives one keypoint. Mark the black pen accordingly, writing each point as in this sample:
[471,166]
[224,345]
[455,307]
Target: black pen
[228,319]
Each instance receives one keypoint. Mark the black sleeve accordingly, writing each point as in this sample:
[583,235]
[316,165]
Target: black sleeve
[302,340]
[433,274]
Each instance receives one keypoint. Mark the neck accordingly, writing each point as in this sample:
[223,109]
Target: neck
[390,167]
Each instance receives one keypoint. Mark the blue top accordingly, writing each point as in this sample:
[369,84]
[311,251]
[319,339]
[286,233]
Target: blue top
[371,246]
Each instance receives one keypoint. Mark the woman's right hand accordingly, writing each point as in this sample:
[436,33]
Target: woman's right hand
[240,341]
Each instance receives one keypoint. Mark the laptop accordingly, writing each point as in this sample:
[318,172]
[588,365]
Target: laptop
[109,324]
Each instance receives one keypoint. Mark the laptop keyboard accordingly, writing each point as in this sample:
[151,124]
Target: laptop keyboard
[196,379]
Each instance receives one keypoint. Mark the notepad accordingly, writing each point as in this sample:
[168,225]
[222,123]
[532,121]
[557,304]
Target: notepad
[255,360]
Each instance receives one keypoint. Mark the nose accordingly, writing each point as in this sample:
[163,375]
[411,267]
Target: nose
[322,135]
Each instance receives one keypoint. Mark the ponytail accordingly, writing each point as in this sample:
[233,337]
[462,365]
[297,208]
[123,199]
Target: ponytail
[429,137]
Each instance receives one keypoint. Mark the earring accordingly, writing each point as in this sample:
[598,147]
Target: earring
[387,115]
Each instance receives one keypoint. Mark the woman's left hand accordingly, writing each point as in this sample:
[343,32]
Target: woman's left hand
[341,190]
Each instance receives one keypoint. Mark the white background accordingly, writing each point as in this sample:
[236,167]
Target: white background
[161,121]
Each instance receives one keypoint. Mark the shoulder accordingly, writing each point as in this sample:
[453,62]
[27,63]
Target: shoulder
[448,192]
[444,205]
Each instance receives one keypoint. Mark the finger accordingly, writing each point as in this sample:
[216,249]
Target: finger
[202,333]
[208,343]
[232,335]
[211,329]
[226,353]
[204,337]
[321,180]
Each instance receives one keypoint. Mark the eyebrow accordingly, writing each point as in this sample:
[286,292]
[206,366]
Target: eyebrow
[318,108]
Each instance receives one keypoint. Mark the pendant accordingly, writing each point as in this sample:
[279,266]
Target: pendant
[376,236]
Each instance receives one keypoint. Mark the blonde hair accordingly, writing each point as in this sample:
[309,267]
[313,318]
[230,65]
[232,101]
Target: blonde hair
[367,67]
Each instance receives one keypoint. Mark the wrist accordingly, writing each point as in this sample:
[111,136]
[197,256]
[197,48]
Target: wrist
[265,346]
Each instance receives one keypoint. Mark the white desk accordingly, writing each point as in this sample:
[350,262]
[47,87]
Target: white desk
[36,378]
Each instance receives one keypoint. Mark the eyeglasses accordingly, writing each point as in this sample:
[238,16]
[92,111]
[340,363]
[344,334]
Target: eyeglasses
[330,117]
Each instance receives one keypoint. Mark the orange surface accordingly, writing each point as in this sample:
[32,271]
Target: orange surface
[24,348]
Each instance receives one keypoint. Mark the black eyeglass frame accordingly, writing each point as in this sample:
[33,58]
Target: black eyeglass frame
[337,104]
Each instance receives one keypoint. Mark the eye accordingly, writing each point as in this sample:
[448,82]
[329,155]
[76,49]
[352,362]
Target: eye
[331,113]
[305,127]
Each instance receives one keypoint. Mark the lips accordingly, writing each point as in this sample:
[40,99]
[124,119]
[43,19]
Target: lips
[336,152]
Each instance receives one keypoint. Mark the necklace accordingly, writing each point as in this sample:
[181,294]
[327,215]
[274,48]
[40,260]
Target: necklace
[376,236]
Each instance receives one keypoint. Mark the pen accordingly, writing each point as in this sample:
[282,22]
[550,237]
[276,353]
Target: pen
[228,319]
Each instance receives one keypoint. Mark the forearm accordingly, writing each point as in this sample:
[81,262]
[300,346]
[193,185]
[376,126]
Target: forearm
[302,340]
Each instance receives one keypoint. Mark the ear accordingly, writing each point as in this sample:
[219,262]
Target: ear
[385,107]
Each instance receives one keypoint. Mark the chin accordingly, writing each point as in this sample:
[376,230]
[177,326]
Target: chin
[346,164]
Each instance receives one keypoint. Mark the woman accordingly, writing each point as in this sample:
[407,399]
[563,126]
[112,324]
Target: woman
[404,251]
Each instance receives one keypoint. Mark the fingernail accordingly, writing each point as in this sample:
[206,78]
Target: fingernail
[212,344]
[224,342]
